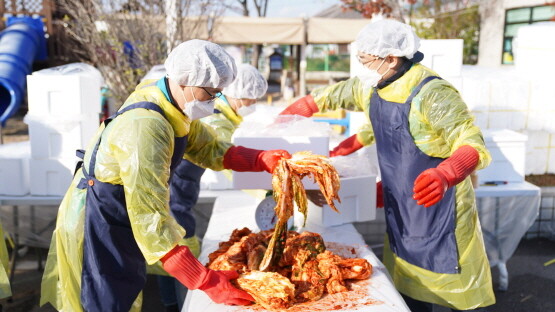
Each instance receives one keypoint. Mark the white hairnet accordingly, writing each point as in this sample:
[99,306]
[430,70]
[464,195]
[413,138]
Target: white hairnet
[249,84]
[388,37]
[200,63]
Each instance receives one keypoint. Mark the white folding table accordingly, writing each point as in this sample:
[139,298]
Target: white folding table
[506,212]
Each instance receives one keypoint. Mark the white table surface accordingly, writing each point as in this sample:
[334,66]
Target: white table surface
[506,212]
[236,210]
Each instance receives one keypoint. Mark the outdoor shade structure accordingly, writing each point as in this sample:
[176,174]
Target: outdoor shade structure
[291,31]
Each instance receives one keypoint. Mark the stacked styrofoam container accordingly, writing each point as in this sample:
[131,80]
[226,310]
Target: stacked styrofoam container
[444,56]
[358,203]
[508,156]
[64,108]
[532,43]
[14,168]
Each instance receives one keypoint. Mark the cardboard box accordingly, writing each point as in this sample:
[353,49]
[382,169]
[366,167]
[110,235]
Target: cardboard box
[52,140]
[508,153]
[58,95]
[358,203]
[14,168]
[51,177]
[292,144]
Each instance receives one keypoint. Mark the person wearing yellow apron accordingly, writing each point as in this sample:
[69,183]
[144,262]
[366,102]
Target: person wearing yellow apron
[427,146]
[115,217]
[248,86]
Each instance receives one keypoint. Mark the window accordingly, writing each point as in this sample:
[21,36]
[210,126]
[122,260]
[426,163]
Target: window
[515,18]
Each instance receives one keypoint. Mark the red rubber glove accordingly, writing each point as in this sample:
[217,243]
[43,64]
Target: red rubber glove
[347,146]
[304,106]
[182,265]
[431,184]
[379,195]
[239,158]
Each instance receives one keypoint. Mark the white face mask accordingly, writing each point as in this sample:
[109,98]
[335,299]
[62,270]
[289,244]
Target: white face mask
[198,109]
[370,77]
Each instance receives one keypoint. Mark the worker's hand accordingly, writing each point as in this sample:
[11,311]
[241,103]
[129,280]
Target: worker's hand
[268,160]
[346,147]
[218,287]
[379,195]
[304,106]
[429,187]
[183,265]
[239,158]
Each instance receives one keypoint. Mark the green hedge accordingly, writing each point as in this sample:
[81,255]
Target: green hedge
[335,63]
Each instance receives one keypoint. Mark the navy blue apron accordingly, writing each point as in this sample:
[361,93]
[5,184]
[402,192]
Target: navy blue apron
[424,237]
[114,269]
[184,192]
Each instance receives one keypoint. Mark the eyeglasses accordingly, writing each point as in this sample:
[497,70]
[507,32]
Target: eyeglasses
[212,96]
[366,61]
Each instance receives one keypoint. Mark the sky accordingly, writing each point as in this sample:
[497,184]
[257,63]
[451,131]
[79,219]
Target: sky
[296,8]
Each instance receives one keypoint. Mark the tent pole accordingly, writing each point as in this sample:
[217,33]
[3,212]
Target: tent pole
[302,61]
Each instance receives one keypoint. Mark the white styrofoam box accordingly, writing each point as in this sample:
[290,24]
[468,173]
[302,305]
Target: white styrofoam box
[358,203]
[356,121]
[51,177]
[58,94]
[538,152]
[58,138]
[215,180]
[476,93]
[14,168]
[443,56]
[532,43]
[480,119]
[510,93]
[292,144]
[500,119]
[508,154]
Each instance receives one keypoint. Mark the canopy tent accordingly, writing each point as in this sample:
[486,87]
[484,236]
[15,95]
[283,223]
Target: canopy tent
[258,30]
[291,31]
[296,31]
[333,30]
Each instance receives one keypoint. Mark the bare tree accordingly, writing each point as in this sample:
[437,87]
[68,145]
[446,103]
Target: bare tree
[261,7]
[399,9]
[124,39]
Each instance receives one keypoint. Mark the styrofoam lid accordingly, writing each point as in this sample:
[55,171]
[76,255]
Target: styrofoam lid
[81,69]
[15,150]
[503,135]
[537,35]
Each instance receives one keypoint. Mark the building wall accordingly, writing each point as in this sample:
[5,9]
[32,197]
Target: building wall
[492,15]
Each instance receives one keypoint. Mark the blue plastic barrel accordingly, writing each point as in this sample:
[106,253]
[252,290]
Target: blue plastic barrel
[19,45]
